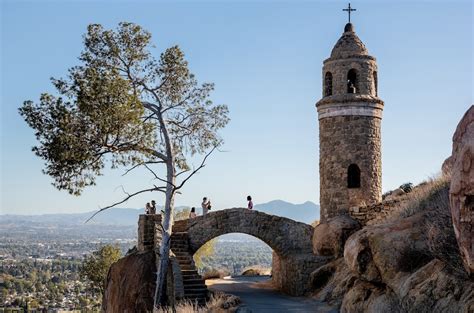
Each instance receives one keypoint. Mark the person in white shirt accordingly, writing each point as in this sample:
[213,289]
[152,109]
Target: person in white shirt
[206,205]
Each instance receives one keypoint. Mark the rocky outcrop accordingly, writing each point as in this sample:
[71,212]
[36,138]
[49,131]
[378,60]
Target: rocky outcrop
[462,188]
[131,284]
[392,268]
[329,238]
[384,253]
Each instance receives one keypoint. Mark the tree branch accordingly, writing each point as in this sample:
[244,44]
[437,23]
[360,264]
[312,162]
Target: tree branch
[197,169]
[141,164]
[124,200]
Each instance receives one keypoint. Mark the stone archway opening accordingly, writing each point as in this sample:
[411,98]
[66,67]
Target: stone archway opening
[234,254]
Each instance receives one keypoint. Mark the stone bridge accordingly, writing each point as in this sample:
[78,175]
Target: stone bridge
[283,235]
[291,241]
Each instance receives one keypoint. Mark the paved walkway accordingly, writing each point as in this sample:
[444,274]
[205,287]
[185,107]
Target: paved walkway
[257,296]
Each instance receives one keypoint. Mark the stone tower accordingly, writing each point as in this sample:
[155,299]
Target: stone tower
[350,116]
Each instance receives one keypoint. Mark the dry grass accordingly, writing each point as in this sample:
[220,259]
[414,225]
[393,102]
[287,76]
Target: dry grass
[430,195]
[215,273]
[256,271]
[219,303]
[432,198]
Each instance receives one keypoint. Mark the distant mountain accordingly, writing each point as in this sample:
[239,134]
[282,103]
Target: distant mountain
[306,212]
[115,216]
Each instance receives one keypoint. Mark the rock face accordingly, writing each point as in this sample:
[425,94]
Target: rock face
[131,284]
[390,268]
[384,253]
[329,238]
[462,188]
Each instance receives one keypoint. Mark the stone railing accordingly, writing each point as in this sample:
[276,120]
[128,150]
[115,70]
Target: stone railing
[149,232]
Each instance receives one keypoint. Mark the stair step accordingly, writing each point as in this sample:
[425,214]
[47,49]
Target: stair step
[200,286]
[180,251]
[189,277]
[197,294]
[187,267]
[193,281]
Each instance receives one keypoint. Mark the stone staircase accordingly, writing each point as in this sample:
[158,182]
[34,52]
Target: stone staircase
[194,286]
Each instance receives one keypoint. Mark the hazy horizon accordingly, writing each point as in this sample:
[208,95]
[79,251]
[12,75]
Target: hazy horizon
[139,208]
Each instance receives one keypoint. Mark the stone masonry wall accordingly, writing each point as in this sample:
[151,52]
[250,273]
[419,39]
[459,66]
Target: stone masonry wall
[149,232]
[345,140]
[373,214]
[283,235]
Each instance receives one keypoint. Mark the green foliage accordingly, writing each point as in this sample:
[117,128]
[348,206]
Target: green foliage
[207,250]
[124,106]
[96,266]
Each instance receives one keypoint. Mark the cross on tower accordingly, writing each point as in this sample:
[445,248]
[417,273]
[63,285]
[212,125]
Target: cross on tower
[349,10]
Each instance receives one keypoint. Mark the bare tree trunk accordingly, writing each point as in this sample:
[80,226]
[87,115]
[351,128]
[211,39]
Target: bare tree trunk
[163,257]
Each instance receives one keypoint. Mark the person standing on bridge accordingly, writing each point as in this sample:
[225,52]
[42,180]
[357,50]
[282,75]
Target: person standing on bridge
[153,207]
[206,205]
[250,205]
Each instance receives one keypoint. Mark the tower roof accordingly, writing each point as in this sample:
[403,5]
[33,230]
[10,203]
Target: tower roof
[348,45]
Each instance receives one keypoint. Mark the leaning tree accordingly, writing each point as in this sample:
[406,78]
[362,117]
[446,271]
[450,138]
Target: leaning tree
[121,107]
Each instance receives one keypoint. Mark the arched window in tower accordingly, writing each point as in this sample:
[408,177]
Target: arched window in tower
[353,176]
[328,84]
[352,81]
[376,84]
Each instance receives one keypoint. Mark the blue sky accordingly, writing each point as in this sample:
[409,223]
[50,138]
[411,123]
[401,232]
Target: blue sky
[265,58]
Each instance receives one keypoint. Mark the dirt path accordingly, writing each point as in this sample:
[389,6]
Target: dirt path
[257,296]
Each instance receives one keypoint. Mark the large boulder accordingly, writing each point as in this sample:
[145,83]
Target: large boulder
[131,284]
[462,188]
[387,252]
[365,297]
[329,238]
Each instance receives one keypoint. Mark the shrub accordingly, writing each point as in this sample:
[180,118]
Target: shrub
[256,271]
[215,273]
[407,187]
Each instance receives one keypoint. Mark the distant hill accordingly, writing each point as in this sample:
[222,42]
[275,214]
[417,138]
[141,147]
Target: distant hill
[306,212]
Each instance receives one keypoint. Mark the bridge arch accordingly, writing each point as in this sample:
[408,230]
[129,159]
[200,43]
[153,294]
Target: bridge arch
[283,235]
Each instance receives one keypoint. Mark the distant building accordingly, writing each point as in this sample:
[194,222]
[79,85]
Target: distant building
[350,116]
